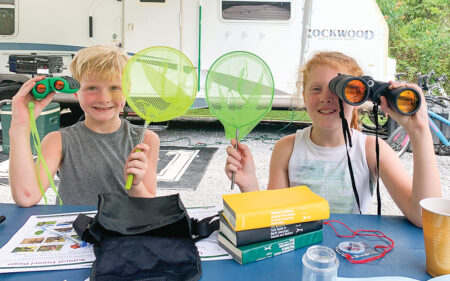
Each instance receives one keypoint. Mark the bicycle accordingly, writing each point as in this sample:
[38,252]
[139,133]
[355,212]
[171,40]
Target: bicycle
[399,139]
[436,88]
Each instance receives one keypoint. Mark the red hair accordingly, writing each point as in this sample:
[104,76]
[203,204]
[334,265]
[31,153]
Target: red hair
[336,60]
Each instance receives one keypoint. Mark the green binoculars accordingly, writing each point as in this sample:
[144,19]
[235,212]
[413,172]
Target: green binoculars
[63,84]
[356,90]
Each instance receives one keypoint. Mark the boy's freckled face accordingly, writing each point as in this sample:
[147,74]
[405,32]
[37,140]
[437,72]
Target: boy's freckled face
[322,105]
[101,100]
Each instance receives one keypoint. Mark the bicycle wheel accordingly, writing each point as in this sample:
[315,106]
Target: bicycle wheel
[399,141]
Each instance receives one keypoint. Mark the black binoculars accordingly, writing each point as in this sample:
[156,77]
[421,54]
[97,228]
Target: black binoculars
[63,84]
[356,90]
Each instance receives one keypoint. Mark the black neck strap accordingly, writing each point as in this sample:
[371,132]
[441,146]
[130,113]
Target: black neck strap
[345,127]
[346,131]
[348,142]
[377,152]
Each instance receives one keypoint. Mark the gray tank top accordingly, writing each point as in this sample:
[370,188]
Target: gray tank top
[92,163]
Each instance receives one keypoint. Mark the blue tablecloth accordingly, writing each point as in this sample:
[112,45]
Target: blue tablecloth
[407,259]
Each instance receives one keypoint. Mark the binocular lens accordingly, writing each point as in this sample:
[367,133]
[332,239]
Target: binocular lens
[407,101]
[58,85]
[355,91]
[41,88]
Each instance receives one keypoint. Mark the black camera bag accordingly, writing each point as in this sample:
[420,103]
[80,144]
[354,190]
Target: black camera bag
[151,239]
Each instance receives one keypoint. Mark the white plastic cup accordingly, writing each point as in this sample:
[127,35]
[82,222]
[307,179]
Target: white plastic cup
[320,263]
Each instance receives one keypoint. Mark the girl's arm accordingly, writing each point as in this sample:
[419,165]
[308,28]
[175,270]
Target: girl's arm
[143,166]
[241,163]
[404,190]
[279,163]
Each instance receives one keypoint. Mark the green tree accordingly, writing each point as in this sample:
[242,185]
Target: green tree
[419,35]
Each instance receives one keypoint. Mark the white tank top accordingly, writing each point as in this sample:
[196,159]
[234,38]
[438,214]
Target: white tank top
[325,171]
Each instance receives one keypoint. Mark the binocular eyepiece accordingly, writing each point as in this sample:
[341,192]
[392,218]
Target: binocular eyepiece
[356,90]
[63,84]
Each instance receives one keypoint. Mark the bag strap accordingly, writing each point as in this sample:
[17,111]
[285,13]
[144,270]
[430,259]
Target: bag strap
[199,228]
[203,228]
[81,226]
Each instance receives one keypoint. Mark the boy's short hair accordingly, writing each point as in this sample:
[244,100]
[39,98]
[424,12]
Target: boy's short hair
[105,62]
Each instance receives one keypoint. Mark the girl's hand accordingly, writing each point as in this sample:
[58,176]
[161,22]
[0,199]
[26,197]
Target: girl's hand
[137,164]
[414,124]
[240,162]
[20,111]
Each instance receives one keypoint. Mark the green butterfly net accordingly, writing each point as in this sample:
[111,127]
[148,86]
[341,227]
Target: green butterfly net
[239,91]
[159,84]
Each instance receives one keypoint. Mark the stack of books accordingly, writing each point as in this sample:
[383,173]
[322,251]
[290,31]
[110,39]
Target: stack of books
[262,224]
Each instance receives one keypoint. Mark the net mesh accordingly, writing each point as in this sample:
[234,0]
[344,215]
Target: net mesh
[159,83]
[239,91]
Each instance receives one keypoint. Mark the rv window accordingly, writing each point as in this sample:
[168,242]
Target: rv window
[7,21]
[251,10]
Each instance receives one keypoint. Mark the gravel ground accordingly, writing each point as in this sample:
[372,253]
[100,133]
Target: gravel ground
[261,140]
[185,132]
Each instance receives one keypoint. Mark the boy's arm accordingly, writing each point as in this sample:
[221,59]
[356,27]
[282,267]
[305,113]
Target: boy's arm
[147,185]
[279,163]
[22,171]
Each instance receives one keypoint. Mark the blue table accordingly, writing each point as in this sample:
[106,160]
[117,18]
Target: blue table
[407,259]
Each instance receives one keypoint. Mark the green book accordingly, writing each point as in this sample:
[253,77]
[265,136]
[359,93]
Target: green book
[266,249]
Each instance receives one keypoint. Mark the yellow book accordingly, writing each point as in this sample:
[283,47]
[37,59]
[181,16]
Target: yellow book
[267,208]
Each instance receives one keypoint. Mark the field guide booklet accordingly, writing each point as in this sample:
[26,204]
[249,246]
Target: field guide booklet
[33,248]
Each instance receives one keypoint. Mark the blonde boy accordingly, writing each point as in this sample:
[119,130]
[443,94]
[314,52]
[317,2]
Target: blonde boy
[92,156]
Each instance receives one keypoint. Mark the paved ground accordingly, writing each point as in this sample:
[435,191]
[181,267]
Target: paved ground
[261,140]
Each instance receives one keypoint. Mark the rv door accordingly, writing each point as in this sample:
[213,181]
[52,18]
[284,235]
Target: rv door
[150,23]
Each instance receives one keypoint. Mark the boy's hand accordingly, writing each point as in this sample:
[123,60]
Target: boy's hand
[414,124]
[137,164]
[20,111]
[241,163]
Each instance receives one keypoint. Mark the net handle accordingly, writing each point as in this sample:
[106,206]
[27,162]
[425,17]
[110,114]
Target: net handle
[235,147]
[130,177]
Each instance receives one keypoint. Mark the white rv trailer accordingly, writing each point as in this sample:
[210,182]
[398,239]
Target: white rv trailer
[283,33]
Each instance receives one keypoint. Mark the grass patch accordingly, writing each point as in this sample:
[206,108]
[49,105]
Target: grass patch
[278,115]
[288,115]
[365,119]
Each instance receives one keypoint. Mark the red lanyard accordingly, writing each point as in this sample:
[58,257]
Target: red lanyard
[361,232]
